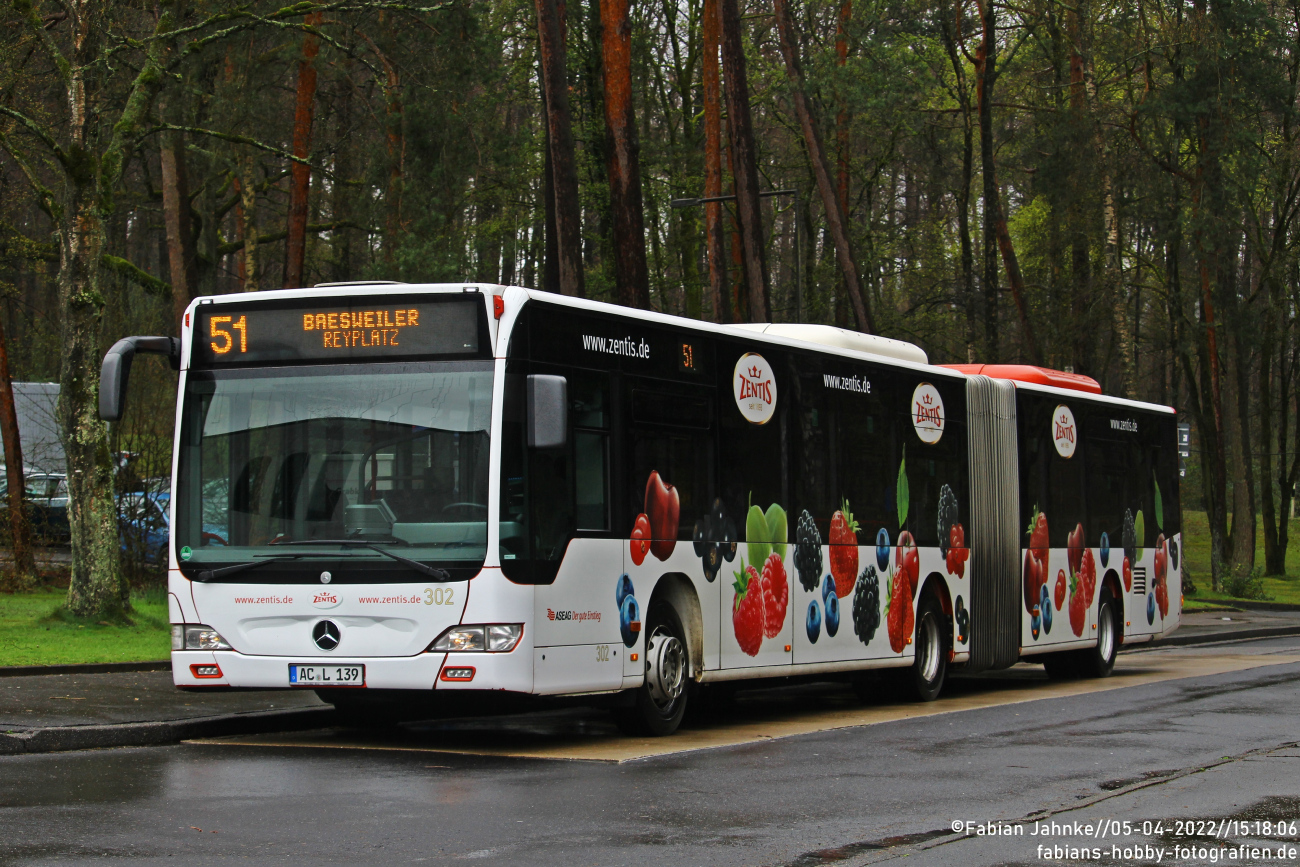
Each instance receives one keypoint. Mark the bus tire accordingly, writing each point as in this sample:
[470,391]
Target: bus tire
[1099,660]
[660,703]
[930,667]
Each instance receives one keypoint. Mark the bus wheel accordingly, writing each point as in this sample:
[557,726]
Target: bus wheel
[1099,661]
[931,664]
[660,702]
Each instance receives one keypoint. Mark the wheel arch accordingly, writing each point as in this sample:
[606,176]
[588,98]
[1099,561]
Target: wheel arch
[1110,581]
[937,584]
[675,589]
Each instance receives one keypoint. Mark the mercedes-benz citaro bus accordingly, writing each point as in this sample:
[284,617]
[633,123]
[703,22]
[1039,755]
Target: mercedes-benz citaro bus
[421,498]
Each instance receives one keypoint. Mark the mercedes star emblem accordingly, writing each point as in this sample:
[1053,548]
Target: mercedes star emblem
[326,635]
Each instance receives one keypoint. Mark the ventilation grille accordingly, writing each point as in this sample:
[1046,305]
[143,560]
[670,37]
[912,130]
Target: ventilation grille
[1140,581]
[995,517]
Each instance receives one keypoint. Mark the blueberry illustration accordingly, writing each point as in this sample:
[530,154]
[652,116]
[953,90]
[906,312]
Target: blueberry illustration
[832,614]
[1035,623]
[623,589]
[628,612]
[882,550]
[814,621]
[828,590]
[1045,605]
[1151,608]
[1105,549]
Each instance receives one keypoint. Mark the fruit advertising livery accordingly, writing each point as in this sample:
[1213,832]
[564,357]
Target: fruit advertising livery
[528,495]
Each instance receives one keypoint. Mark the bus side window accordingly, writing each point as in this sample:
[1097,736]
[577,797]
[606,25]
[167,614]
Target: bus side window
[589,418]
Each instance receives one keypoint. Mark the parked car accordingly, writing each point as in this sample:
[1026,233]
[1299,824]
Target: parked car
[144,526]
[46,498]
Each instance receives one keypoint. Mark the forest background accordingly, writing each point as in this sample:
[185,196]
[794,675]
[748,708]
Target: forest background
[1110,188]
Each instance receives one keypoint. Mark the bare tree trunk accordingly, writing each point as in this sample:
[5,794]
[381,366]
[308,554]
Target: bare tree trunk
[22,577]
[744,162]
[835,219]
[631,280]
[714,232]
[995,222]
[176,218]
[300,174]
[564,171]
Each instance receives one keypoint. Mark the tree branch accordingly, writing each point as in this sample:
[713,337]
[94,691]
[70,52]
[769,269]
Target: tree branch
[235,246]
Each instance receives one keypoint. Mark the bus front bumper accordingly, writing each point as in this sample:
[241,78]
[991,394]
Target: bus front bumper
[441,671]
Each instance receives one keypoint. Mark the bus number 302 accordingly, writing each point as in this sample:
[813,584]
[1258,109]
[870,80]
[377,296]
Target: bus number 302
[439,596]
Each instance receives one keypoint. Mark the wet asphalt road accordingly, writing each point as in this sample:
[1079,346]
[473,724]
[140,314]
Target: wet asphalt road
[843,797]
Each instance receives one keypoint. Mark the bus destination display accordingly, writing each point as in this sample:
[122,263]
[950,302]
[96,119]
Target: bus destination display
[366,329]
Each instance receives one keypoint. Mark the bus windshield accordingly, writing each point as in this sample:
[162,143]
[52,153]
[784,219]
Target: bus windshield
[280,461]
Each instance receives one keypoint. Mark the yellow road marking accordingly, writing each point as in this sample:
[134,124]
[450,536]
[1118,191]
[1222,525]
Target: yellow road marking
[756,717]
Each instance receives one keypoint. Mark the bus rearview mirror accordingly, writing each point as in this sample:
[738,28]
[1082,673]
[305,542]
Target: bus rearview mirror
[548,411]
[116,370]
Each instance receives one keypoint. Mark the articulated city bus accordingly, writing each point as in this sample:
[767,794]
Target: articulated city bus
[433,496]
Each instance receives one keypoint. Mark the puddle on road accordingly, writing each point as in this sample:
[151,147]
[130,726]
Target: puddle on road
[756,717]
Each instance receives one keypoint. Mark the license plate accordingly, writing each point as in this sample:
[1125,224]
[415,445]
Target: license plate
[327,675]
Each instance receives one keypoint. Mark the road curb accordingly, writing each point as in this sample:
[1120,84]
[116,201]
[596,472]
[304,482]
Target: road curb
[1218,638]
[82,668]
[148,734]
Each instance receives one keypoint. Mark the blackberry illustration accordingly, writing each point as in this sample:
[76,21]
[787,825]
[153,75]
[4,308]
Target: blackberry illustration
[962,616]
[947,517]
[866,604]
[1173,553]
[714,540]
[808,552]
[1130,537]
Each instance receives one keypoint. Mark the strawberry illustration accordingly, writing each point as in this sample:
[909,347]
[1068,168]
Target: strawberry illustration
[1038,541]
[907,563]
[1033,580]
[776,595]
[640,538]
[1078,606]
[747,610]
[844,550]
[899,617]
[1088,577]
[1074,544]
[1061,588]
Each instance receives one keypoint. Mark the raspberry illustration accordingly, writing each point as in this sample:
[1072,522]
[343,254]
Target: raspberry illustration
[958,553]
[747,611]
[1127,569]
[899,616]
[808,552]
[947,518]
[1088,577]
[844,550]
[866,604]
[776,595]
[1078,606]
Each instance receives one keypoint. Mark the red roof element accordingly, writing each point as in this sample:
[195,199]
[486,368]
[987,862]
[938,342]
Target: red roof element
[1029,373]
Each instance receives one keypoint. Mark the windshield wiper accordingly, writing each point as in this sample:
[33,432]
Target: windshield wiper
[213,574]
[432,572]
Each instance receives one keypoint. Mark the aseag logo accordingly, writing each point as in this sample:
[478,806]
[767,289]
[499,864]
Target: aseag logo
[1065,433]
[927,413]
[326,599]
[755,388]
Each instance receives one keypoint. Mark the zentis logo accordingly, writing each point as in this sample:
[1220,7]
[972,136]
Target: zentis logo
[326,599]
[1065,432]
[755,388]
[927,413]
[576,616]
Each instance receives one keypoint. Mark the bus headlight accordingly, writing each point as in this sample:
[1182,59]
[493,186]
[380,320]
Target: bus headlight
[197,637]
[493,638]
